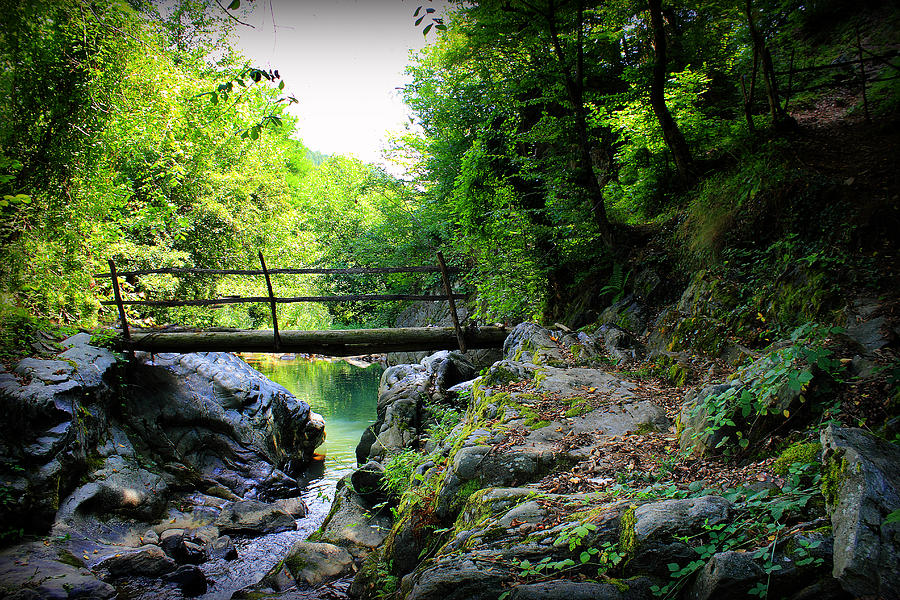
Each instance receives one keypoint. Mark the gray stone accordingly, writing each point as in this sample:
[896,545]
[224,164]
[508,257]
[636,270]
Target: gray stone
[351,524]
[315,563]
[460,579]
[634,589]
[147,560]
[861,483]
[250,517]
[531,343]
[668,518]
[527,512]
[189,579]
[47,371]
[726,575]
[222,548]
[187,404]
[120,488]
[34,571]
[368,482]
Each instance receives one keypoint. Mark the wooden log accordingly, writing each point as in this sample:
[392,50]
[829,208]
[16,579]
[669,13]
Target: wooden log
[272,303]
[347,342]
[118,299]
[449,291]
[306,271]
[240,300]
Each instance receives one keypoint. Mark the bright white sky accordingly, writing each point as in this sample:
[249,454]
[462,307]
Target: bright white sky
[343,60]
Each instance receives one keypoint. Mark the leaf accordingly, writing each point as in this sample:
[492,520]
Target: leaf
[787,414]
[429,10]
[427,29]
[214,98]
[418,10]
[673,567]
[281,85]
[235,4]
[419,20]
[894,517]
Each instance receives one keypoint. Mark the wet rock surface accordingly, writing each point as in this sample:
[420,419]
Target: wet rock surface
[141,486]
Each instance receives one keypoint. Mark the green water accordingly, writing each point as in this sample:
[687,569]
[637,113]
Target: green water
[345,395]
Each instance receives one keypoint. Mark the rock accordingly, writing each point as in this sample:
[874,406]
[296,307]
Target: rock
[148,560]
[48,426]
[190,580]
[637,588]
[528,342]
[866,329]
[249,517]
[668,518]
[181,549]
[368,482]
[619,344]
[184,404]
[627,314]
[727,575]
[861,485]
[295,507]
[315,563]
[37,572]
[458,580]
[222,548]
[718,403]
[401,417]
[351,524]
[122,487]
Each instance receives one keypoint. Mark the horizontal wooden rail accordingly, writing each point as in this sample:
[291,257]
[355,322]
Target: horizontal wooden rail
[239,300]
[340,342]
[841,64]
[310,271]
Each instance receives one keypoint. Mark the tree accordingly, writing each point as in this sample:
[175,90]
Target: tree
[671,132]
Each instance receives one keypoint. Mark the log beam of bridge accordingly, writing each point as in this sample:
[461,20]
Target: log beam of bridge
[340,342]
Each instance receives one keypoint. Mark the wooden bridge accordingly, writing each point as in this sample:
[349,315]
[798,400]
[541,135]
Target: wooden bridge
[341,342]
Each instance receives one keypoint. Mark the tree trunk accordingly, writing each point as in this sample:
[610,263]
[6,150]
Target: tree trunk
[350,342]
[780,118]
[671,133]
[574,84]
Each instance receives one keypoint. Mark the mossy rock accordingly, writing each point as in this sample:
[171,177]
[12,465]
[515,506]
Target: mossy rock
[801,452]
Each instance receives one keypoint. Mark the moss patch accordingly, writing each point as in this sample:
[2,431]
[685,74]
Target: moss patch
[801,452]
[627,538]
[70,559]
[833,474]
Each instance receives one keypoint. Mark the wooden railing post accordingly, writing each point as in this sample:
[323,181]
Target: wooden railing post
[459,333]
[115,281]
[277,338]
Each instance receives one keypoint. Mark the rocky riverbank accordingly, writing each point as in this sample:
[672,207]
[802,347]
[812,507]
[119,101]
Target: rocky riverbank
[592,464]
[577,467]
[140,471]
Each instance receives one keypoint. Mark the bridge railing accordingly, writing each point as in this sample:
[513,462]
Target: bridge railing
[274,300]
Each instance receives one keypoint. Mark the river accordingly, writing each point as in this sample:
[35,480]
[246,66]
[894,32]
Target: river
[346,396]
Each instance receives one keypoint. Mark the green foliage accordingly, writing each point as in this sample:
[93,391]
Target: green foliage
[399,471]
[801,452]
[740,409]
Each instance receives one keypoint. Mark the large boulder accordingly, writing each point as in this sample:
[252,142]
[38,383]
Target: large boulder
[250,517]
[402,394]
[352,523]
[55,411]
[214,414]
[46,572]
[861,485]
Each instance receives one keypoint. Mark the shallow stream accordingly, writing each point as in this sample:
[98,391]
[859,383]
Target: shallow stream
[346,396]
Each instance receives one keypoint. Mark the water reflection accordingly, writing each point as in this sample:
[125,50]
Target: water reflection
[345,395]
